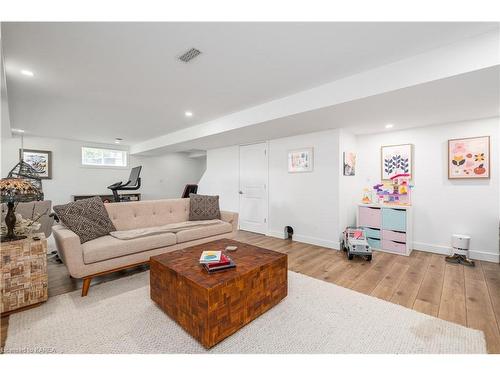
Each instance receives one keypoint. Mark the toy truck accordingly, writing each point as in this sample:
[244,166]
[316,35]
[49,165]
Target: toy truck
[353,242]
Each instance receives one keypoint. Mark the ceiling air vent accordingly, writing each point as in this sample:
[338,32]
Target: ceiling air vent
[189,55]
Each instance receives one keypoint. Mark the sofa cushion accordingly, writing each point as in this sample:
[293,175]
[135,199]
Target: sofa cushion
[203,207]
[211,230]
[108,247]
[86,217]
[146,214]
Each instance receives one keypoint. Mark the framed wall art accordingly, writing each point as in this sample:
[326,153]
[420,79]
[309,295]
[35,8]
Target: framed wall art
[469,158]
[300,160]
[396,159]
[40,160]
[349,163]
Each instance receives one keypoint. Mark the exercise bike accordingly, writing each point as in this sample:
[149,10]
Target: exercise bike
[133,183]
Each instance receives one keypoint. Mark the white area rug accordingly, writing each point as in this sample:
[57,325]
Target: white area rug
[316,317]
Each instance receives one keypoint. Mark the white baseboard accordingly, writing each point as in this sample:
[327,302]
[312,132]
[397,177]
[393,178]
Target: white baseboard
[317,241]
[276,234]
[307,239]
[445,250]
[436,249]
[487,257]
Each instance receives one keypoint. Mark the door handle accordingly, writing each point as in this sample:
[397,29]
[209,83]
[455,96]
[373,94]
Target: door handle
[240,192]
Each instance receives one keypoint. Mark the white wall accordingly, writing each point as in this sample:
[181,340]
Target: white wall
[222,177]
[162,176]
[320,204]
[306,201]
[166,176]
[441,206]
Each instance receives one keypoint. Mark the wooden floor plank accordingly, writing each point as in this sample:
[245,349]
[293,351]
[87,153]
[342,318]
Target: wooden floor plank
[429,294]
[370,279]
[492,276]
[318,265]
[331,269]
[407,290]
[479,307]
[452,304]
[390,282]
[344,275]
[296,258]
[306,264]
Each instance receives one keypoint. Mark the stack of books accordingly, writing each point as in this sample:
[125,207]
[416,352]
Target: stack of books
[213,261]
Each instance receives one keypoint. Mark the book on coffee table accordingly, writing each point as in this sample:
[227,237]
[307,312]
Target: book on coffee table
[214,268]
[223,261]
[210,256]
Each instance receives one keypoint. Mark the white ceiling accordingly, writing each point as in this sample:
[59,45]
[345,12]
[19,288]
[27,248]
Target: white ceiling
[463,97]
[98,81]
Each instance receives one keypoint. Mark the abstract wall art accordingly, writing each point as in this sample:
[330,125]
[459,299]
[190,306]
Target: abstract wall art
[300,160]
[396,159]
[349,163]
[469,158]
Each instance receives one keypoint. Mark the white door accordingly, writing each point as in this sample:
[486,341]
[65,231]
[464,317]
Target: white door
[253,188]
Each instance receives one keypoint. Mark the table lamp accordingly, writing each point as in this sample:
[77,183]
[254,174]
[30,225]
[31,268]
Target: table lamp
[16,190]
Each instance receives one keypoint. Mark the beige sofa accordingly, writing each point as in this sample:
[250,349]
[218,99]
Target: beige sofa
[108,254]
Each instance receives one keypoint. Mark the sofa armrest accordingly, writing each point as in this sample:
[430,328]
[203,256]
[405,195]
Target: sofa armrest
[231,218]
[70,250]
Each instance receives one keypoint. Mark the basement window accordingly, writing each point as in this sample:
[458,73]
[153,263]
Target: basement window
[103,157]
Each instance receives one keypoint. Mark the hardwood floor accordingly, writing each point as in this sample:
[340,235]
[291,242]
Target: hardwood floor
[422,281]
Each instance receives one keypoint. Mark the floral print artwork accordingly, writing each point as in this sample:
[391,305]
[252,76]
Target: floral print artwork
[469,158]
[300,160]
[396,160]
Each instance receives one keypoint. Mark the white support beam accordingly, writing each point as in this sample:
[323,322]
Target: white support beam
[469,55]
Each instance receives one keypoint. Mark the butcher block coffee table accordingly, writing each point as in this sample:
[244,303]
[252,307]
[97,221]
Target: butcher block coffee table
[211,307]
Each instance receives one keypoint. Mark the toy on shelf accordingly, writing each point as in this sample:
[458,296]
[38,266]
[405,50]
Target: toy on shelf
[367,196]
[396,191]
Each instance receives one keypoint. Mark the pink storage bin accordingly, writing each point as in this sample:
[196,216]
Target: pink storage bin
[393,236]
[369,217]
[394,247]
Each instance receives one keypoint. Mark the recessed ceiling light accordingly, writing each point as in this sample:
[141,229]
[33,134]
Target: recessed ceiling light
[389,126]
[118,140]
[188,114]
[20,131]
[28,73]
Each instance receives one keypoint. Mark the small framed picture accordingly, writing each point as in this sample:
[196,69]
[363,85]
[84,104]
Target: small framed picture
[469,158]
[396,159]
[40,160]
[349,163]
[300,160]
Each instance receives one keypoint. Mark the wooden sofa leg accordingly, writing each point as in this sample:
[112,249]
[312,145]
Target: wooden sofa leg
[86,286]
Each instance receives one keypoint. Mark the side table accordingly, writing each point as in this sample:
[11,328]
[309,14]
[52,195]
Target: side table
[23,278]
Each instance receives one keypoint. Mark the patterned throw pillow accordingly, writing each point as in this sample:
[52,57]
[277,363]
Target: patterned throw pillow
[203,207]
[88,218]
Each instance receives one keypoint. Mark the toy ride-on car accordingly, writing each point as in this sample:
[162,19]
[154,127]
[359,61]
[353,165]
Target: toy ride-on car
[353,242]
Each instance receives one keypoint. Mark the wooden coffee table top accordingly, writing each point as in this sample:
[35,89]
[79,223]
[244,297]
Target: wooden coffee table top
[186,261]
